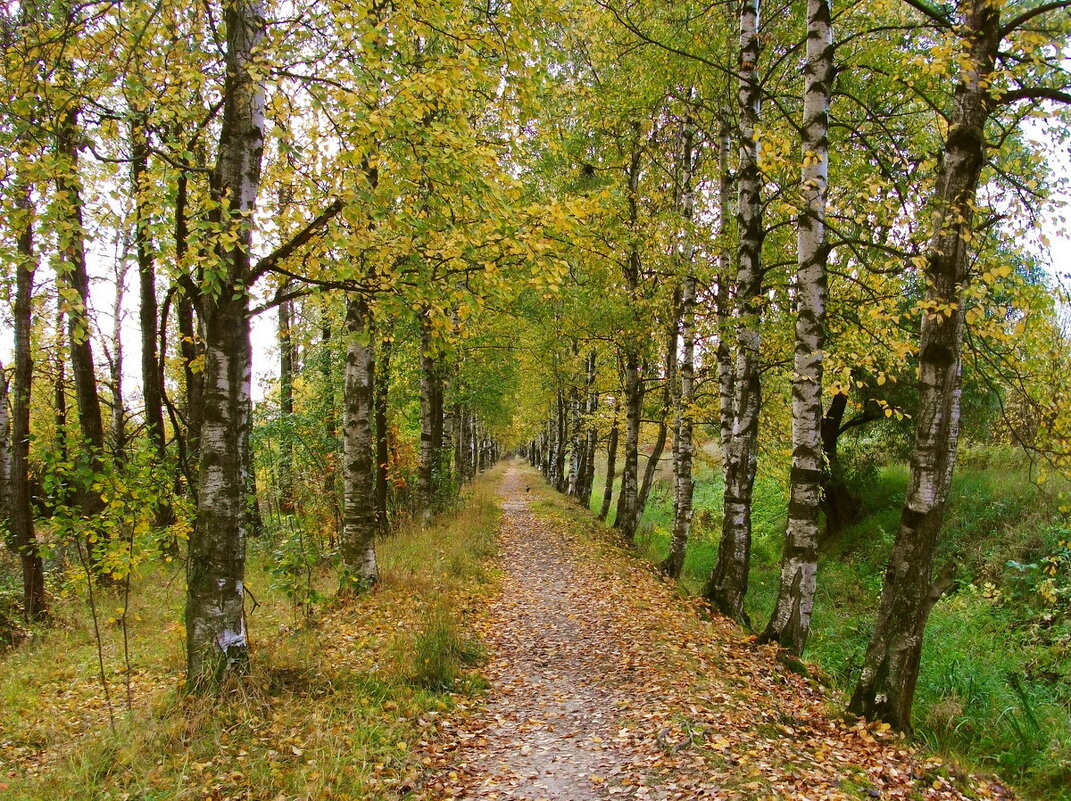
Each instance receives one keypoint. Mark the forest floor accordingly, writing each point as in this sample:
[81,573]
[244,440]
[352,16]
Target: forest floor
[606,683]
[599,681]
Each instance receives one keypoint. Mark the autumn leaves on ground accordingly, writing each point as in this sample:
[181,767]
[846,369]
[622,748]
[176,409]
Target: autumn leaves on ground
[533,657]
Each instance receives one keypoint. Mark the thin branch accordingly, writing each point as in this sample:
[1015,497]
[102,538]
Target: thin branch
[1029,14]
[284,251]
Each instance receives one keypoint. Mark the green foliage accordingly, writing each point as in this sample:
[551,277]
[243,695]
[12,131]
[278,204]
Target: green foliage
[993,688]
[133,491]
[1042,588]
[297,559]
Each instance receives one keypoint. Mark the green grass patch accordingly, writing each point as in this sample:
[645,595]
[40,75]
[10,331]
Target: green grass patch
[995,685]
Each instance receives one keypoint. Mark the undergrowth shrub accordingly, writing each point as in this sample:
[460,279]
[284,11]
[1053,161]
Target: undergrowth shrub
[298,557]
[12,630]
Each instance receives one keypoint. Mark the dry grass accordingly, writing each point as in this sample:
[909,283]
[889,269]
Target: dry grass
[329,710]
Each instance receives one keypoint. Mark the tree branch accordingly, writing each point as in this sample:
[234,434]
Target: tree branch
[931,12]
[280,298]
[942,584]
[1036,93]
[1029,14]
[284,251]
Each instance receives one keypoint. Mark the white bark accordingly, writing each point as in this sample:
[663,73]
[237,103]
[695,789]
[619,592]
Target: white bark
[728,580]
[215,628]
[791,619]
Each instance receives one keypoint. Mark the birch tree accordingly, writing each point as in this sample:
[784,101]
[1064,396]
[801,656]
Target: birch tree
[357,543]
[911,587]
[683,445]
[216,639]
[728,580]
[790,622]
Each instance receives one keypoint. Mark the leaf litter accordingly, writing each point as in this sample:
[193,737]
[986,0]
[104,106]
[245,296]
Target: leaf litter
[605,683]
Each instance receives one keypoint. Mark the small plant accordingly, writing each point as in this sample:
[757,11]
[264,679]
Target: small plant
[296,558]
[12,628]
[1043,585]
[440,652]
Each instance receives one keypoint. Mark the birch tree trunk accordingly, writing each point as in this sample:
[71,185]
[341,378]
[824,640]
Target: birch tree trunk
[723,353]
[683,484]
[461,444]
[357,544]
[216,642]
[115,362]
[790,622]
[575,454]
[682,441]
[380,401]
[625,521]
[330,488]
[886,686]
[449,482]
[561,437]
[430,475]
[548,451]
[591,438]
[20,513]
[471,450]
[728,580]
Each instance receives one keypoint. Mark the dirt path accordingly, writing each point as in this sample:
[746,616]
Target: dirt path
[605,684]
[553,716]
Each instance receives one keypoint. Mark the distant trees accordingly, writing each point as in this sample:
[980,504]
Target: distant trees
[164,148]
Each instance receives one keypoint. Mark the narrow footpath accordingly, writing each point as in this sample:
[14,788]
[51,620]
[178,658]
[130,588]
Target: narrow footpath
[604,683]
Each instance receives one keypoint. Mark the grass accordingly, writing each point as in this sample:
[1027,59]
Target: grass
[330,709]
[995,686]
